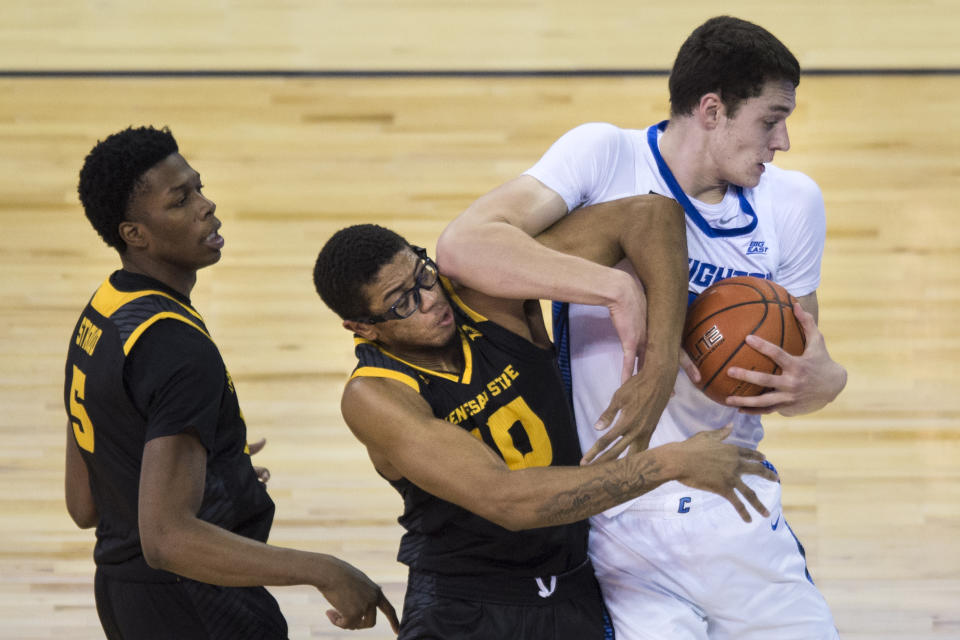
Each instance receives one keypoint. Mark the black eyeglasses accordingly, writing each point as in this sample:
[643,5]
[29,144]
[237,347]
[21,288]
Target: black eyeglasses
[425,277]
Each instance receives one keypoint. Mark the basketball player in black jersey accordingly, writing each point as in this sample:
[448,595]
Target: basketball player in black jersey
[459,401]
[156,453]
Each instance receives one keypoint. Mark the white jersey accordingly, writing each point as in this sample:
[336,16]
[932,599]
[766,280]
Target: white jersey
[782,241]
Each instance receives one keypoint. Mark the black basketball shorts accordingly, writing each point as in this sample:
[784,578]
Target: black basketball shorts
[564,607]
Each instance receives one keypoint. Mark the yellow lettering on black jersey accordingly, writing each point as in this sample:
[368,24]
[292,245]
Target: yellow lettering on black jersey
[493,388]
[87,335]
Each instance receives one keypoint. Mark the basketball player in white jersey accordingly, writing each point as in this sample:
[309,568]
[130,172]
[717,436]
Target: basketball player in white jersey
[679,564]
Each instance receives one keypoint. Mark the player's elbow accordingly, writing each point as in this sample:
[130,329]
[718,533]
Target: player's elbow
[152,547]
[509,520]
[80,507]
[450,249]
[511,510]
[85,516]
[158,544]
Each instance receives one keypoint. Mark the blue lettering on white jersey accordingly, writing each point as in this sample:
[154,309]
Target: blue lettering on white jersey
[703,274]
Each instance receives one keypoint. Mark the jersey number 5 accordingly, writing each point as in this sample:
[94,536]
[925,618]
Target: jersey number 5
[82,427]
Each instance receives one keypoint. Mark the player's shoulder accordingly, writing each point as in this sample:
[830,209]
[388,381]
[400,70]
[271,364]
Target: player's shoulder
[789,191]
[372,391]
[598,128]
[174,346]
[788,181]
[375,364]
[598,134]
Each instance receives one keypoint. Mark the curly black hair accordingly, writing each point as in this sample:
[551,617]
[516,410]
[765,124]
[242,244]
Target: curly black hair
[112,172]
[732,57]
[350,259]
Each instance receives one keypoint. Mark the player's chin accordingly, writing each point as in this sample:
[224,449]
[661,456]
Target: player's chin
[448,333]
[751,179]
[209,257]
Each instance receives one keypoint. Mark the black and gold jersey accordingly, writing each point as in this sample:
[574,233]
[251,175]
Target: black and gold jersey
[510,396]
[141,365]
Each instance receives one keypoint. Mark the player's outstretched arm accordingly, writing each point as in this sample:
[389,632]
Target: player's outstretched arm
[405,440]
[80,504]
[174,539]
[806,383]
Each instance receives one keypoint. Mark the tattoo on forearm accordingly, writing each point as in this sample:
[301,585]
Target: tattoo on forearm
[625,479]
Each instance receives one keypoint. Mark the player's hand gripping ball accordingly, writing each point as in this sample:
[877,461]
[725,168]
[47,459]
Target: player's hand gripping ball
[722,317]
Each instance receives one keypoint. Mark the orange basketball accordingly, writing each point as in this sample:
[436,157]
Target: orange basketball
[722,317]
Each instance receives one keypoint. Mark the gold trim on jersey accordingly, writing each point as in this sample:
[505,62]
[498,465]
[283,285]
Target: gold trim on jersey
[380,372]
[146,324]
[467,360]
[473,315]
[108,299]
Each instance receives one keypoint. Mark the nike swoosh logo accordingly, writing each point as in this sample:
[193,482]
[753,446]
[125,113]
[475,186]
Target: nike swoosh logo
[776,522]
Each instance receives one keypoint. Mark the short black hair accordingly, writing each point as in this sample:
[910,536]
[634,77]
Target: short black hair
[732,57]
[112,172]
[351,259]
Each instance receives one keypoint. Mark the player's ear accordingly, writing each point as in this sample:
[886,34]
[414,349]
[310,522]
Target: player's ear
[132,233]
[709,110]
[362,329]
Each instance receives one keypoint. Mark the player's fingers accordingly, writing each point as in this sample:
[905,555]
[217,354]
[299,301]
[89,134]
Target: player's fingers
[370,618]
[764,400]
[751,455]
[366,621]
[688,367]
[751,497]
[762,411]
[593,454]
[807,322]
[720,434]
[336,618]
[609,416]
[762,470]
[391,614]
[614,451]
[758,378]
[357,621]
[255,447]
[733,499]
[629,362]
[768,349]
[263,474]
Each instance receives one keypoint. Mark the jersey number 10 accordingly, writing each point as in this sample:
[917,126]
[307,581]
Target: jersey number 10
[500,424]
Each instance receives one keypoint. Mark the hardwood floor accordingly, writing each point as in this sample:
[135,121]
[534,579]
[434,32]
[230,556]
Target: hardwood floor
[870,483]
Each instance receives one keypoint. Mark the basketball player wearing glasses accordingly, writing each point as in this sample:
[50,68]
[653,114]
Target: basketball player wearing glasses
[458,399]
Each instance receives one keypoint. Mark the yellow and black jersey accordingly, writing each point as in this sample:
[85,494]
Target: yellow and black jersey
[141,365]
[510,396]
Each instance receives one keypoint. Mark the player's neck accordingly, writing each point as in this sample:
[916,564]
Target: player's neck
[447,359]
[177,279]
[685,150]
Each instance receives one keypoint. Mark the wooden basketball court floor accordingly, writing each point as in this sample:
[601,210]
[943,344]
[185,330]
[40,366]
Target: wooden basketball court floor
[871,483]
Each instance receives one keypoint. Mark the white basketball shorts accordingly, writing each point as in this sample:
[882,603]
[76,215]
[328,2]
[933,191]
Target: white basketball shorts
[687,567]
